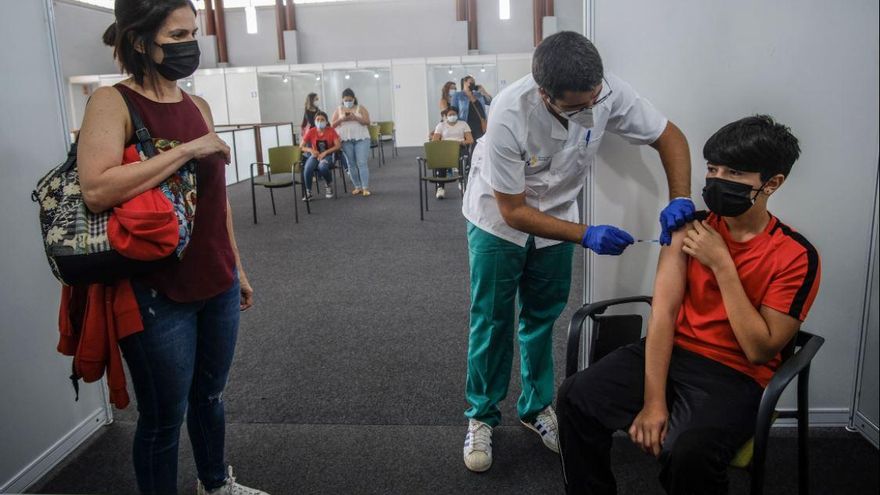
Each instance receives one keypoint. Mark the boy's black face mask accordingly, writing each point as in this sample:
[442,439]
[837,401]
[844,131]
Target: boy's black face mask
[728,198]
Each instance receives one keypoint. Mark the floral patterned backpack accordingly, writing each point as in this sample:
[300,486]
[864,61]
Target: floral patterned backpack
[75,239]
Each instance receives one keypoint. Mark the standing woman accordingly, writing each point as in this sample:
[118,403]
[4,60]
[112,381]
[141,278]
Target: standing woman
[447,94]
[190,310]
[351,122]
[311,109]
[473,105]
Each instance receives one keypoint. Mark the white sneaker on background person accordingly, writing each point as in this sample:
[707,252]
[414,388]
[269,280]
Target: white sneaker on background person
[441,192]
[545,426]
[478,446]
[328,190]
[230,488]
[308,195]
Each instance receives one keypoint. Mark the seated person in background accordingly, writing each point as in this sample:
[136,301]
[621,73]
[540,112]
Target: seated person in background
[451,129]
[730,292]
[320,142]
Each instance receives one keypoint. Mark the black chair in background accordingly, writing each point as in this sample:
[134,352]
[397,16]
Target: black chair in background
[610,332]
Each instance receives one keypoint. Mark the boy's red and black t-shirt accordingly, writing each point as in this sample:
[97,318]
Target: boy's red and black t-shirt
[778,268]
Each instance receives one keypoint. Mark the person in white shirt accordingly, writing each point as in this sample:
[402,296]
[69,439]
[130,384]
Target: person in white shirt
[522,221]
[451,129]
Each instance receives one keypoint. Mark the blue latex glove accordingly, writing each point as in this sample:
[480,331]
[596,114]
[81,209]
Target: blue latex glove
[678,212]
[606,239]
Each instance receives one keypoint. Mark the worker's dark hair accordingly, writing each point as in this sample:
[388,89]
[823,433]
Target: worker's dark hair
[451,108]
[754,144]
[566,61]
[137,23]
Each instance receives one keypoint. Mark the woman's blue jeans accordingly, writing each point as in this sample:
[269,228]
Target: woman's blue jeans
[323,168]
[178,366]
[357,152]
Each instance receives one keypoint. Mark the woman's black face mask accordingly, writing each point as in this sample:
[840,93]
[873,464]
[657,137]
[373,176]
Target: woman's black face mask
[181,59]
[728,198]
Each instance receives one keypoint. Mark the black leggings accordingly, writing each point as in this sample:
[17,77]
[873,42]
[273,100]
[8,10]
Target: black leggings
[712,410]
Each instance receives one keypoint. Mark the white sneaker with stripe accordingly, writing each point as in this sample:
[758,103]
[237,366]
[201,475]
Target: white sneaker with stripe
[544,425]
[478,446]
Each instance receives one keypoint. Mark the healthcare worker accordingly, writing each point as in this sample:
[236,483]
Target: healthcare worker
[523,222]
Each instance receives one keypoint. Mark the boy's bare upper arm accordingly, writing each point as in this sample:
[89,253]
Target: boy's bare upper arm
[671,278]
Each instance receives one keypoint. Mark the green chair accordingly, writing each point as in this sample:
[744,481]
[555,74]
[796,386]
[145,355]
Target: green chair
[439,155]
[280,172]
[388,133]
[610,332]
[376,142]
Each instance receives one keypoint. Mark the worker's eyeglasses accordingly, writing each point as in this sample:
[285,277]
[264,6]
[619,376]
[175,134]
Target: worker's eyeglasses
[572,113]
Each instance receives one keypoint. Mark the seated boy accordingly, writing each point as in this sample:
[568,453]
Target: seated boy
[451,129]
[731,291]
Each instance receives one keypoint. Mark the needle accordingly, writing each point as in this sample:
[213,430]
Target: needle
[647,240]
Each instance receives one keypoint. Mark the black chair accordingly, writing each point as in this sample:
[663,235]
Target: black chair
[610,332]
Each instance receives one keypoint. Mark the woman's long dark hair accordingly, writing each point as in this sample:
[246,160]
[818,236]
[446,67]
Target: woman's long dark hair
[310,101]
[137,23]
[444,93]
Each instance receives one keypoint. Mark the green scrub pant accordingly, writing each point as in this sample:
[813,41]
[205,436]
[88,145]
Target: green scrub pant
[542,277]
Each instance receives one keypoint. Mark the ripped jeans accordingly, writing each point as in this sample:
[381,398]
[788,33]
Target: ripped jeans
[178,367]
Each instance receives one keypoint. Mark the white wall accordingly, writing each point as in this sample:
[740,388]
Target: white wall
[811,65]
[79,28]
[39,420]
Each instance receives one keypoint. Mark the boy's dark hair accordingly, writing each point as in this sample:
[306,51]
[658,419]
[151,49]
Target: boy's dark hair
[566,61]
[320,113]
[754,144]
[137,23]
[451,108]
[349,92]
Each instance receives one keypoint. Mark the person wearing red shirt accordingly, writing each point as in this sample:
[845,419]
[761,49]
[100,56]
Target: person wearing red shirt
[730,292]
[320,142]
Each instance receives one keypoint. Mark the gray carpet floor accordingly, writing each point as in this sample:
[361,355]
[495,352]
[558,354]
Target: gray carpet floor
[349,372]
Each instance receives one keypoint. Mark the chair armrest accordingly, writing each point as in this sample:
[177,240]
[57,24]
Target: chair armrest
[791,368]
[577,321]
[257,163]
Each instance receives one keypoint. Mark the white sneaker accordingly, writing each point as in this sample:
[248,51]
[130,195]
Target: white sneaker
[308,196]
[230,488]
[441,192]
[478,446]
[545,426]
[328,190]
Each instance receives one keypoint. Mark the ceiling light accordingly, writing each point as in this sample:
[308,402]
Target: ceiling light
[376,75]
[450,70]
[317,78]
[348,76]
[250,15]
[284,79]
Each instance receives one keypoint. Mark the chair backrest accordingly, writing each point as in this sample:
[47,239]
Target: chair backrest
[442,154]
[612,332]
[386,128]
[374,132]
[284,159]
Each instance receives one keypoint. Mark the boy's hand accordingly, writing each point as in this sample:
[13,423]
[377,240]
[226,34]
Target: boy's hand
[706,245]
[648,430]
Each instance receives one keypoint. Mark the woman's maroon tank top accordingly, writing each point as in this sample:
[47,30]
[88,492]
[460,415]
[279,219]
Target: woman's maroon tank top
[207,265]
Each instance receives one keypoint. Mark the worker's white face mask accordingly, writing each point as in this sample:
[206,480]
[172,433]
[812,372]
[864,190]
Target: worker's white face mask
[583,118]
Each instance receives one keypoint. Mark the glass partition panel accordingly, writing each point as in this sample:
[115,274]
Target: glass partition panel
[485,75]
[371,86]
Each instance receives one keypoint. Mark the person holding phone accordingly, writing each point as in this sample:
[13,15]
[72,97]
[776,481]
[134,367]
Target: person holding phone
[473,105]
[351,121]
